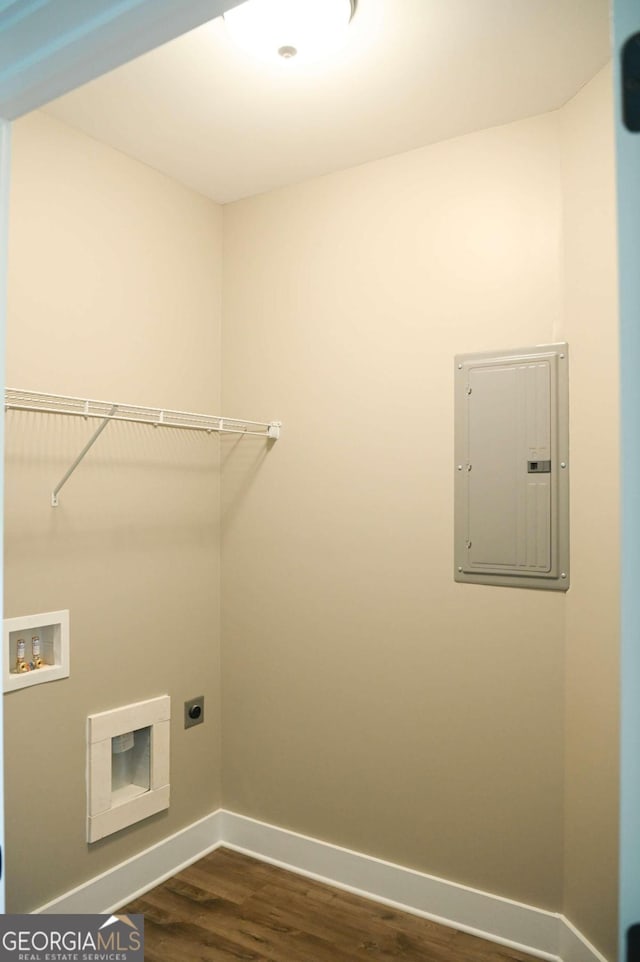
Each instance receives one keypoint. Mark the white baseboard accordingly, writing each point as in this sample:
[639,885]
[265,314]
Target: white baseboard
[121,884]
[488,916]
[544,934]
[574,947]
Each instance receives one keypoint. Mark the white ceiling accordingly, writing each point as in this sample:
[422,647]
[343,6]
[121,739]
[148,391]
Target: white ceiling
[413,72]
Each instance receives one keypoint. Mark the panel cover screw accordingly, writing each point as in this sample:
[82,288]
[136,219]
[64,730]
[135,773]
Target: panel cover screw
[459,467]
[563,464]
[563,575]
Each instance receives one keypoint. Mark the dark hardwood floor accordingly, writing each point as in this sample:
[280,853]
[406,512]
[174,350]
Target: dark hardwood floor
[228,907]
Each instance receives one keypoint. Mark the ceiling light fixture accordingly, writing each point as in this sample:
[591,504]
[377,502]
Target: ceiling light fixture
[287,30]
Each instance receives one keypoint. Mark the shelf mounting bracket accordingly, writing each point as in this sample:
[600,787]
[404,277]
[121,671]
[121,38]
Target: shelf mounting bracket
[92,440]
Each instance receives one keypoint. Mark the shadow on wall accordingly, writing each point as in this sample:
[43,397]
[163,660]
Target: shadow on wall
[241,459]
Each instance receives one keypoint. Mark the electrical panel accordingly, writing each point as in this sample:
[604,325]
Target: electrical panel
[512,468]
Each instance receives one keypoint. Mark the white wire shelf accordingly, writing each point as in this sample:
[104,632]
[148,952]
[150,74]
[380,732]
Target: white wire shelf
[106,411]
[115,411]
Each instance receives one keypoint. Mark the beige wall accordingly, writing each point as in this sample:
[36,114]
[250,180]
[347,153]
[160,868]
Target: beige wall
[367,699]
[467,731]
[592,665]
[114,293]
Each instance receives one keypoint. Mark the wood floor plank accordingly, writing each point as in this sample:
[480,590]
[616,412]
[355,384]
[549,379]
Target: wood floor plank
[280,941]
[361,937]
[229,907]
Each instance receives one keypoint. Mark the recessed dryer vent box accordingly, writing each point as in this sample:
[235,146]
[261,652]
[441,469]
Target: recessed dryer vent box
[512,468]
[128,765]
[52,632]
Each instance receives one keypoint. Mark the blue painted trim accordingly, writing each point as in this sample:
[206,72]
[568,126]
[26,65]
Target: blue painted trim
[627,22]
[10,14]
[58,48]
[50,23]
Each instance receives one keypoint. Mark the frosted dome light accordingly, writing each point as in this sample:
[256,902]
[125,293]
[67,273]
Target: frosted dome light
[290,30]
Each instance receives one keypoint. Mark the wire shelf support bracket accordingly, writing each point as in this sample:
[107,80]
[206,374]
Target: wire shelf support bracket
[107,411]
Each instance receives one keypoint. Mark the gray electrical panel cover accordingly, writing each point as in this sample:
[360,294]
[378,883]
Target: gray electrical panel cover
[512,468]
